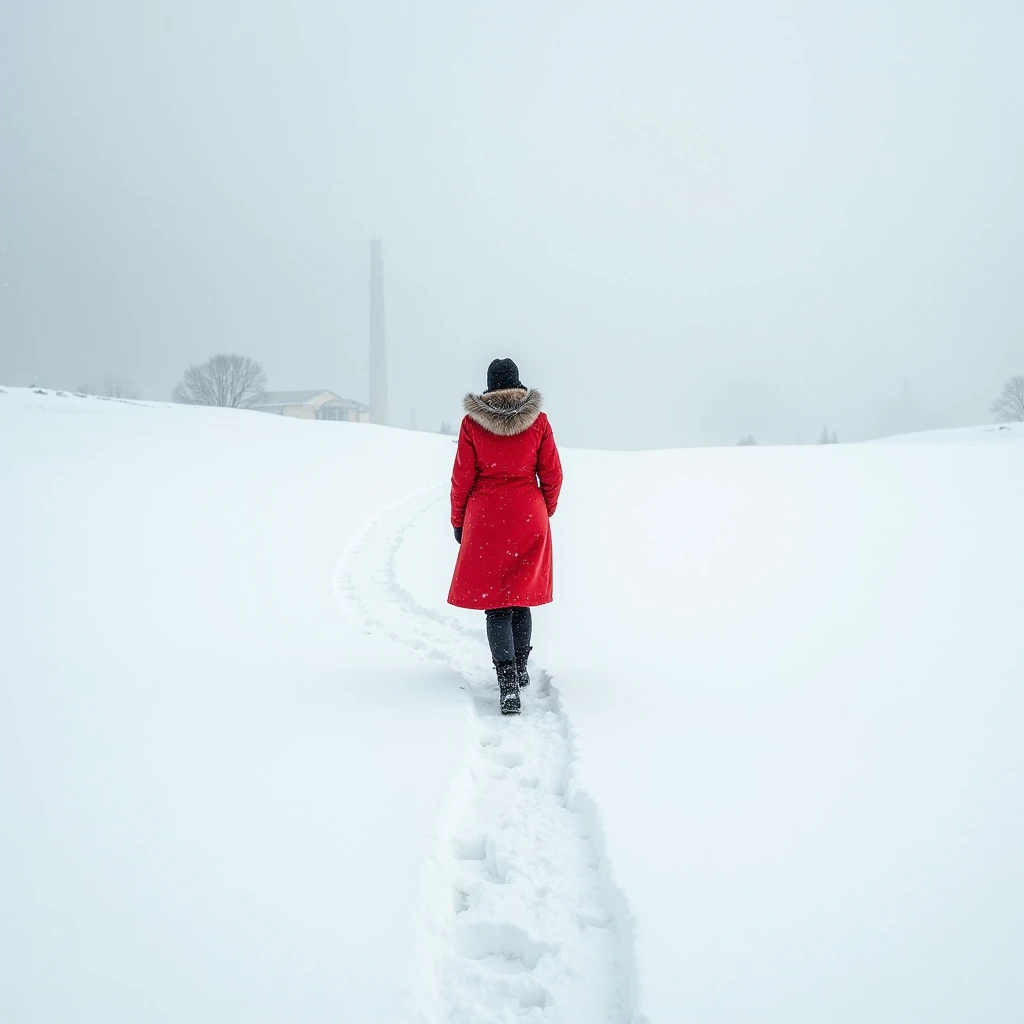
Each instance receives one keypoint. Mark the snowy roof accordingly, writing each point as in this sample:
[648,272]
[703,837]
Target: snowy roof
[293,397]
[347,403]
[277,399]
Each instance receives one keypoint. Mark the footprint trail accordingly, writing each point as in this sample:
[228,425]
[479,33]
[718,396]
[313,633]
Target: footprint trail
[534,929]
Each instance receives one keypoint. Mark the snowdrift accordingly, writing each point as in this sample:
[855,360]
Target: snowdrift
[252,768]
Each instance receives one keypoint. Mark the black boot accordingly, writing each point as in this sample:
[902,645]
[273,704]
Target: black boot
[508,684]
[521,658]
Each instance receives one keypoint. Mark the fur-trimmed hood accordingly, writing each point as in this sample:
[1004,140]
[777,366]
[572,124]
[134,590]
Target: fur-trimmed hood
[504,412]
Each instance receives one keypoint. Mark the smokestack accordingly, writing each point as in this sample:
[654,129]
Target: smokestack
[378,344]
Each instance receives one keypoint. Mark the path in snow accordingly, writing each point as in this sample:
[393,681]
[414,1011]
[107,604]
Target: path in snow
[529,925]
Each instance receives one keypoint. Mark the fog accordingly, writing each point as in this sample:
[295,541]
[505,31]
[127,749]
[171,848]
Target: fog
[686,222]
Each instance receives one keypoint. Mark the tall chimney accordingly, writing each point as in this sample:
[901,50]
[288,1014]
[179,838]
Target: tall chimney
[378,344]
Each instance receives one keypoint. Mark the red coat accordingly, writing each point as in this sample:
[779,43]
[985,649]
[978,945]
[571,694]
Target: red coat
[505,448]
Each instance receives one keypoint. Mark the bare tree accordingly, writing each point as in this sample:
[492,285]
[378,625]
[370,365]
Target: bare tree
[116,386]
[234,382]
[1009,406]
[113,385]
[446,428]
[745,442]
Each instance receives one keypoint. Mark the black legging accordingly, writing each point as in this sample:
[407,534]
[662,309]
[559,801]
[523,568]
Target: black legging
[508,630]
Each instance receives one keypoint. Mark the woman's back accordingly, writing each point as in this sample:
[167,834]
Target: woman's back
[505,485]
[504,459]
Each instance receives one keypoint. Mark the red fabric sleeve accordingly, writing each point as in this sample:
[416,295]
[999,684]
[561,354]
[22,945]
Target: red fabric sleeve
[463,474]
[549,469]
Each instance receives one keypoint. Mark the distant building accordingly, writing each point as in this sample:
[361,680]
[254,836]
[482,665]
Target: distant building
[314,405]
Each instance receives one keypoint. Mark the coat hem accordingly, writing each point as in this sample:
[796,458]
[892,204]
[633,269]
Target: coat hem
[507,604]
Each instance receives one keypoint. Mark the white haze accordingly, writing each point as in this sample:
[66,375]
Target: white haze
[686,222]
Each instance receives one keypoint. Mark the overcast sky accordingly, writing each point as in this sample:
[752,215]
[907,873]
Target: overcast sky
[686,222]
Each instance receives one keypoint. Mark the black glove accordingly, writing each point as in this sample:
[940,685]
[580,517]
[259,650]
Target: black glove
[458,534]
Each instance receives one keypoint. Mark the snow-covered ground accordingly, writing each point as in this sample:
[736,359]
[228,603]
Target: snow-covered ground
[253,769]
[992,432]
[218,794]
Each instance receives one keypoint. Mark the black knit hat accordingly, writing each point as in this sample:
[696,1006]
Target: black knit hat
[502,374]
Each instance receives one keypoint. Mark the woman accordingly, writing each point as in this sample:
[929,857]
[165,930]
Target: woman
[500,515]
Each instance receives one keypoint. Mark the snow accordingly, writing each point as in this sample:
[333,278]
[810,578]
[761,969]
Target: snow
[793,677]
[769,768]
[523,917]
[810,796]
[993,432]
[217,794]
